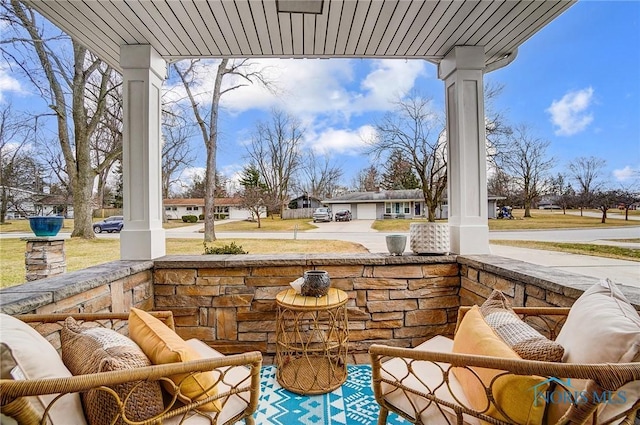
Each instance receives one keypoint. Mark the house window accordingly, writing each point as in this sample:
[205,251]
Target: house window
[220,212]
[397,207]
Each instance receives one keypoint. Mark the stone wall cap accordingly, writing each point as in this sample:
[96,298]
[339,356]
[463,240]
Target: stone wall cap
[44,238]
[257,260]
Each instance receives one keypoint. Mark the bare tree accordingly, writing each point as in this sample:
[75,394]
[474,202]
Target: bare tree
[239,72]
[497,130]
[412,130]
[562,191]
[628,195]
[275,150]
[527,161]
[604,200]
[587,172]
[176,152]
[65,84]
[106,142]
[367,179]
[319,175]
[17,165]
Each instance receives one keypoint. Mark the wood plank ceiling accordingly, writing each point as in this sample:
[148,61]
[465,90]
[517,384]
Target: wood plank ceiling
[425,29]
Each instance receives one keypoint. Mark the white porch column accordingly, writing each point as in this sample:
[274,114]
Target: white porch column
[462,72]
[143,71]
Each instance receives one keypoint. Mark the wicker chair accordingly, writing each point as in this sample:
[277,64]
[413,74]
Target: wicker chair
[237,377]
[420,400]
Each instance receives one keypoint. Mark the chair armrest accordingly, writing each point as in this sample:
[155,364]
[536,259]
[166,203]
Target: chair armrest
[11,389]
[604,377]
[548,320]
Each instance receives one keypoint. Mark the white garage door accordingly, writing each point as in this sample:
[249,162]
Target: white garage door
[366,211]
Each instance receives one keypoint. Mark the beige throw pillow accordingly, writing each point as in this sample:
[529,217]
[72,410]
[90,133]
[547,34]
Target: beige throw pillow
[87,350]
[520,336]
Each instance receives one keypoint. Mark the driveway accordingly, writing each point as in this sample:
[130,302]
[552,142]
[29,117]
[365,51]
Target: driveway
[353,226]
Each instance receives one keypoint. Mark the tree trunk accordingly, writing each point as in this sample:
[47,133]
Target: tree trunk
[82,205]
[209,195]
[604,217]
[3,204]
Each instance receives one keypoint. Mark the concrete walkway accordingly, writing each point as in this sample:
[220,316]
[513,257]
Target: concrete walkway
[360,231]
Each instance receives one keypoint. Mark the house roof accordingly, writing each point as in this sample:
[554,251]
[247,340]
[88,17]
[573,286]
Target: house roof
[384,196]
[423,29]
[310,197]
[199,202]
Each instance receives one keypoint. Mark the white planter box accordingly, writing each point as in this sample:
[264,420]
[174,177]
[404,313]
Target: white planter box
[429,238]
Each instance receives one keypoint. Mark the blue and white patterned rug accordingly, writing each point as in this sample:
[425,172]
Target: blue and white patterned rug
[351,404]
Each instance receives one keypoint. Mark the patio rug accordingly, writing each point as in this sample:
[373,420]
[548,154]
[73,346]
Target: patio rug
[351,404]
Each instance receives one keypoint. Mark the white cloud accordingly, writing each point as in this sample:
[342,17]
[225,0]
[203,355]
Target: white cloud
[8,83]
[308,87]
[627,173]
[570,114]
[341,141]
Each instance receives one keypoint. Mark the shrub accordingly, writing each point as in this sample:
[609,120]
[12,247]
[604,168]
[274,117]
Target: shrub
[232,248]
[201,217]
[190,218]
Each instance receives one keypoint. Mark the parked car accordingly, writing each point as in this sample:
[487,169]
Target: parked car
[322,214]
[343,215]
[109,224]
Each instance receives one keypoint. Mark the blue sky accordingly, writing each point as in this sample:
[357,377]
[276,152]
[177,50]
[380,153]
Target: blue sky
[576,83]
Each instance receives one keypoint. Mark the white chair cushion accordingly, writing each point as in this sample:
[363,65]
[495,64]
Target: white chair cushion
[36,358]
[430,378]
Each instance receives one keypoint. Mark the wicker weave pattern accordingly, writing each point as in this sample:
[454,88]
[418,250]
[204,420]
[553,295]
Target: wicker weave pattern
[604,377]
[244,393]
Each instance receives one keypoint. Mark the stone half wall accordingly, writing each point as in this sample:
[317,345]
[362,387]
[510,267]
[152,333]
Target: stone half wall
[109,287]
[229,301]
[526,284]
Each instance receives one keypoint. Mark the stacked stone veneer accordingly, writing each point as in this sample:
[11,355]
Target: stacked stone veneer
[229,301]
[524,283]
[44,257]
[110,287]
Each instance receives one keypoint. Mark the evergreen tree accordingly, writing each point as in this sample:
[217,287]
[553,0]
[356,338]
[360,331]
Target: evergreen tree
[399,173]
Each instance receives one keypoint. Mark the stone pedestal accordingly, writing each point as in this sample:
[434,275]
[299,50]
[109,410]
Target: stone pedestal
[44,257]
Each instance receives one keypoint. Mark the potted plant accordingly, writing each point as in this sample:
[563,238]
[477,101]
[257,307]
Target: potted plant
[429,238]
[46,225]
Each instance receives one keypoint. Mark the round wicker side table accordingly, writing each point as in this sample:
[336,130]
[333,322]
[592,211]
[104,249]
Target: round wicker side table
[312,336]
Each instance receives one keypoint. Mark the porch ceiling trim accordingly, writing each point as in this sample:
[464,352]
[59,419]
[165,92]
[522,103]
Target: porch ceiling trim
[178,29]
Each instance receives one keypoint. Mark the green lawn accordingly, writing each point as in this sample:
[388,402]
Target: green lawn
[540,219]
[84,253]
[577,248]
